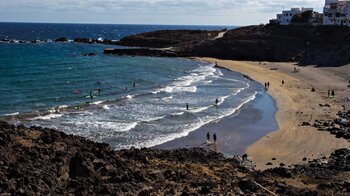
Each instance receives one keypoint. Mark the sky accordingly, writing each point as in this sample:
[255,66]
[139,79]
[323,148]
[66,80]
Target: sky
[173,12]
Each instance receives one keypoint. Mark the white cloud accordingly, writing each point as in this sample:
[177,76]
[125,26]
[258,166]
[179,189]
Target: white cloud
[236,11]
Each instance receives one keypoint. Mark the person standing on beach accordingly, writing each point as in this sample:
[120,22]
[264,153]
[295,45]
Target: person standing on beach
[268,84]
[208,137]
[282,82]
[265,85]
[214,137]
[333,93]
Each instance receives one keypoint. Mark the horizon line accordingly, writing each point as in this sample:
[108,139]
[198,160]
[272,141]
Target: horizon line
[91,23]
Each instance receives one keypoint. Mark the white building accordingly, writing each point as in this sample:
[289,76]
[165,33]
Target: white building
[336,12]
[286,17]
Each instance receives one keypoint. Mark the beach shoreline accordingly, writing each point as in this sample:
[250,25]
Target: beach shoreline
[292,143]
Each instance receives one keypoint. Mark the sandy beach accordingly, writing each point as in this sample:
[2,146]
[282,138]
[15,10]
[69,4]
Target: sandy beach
[296,104]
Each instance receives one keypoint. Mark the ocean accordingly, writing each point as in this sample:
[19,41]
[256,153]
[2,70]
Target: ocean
[121,100]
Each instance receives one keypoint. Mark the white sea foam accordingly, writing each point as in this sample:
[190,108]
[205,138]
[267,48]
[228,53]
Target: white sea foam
[177,113]
[97,102]
[238,91]
[62,107]
[222,99]
[106,107]
[219,73]
[191,89]
[128,127]
[129,96]
[188,83]
[48,117]
[106,126]
[152,119]
[167,98]
[12,114]
[166,138]
[197,110]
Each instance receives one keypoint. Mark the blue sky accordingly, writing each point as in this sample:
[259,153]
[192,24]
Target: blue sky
[185,12]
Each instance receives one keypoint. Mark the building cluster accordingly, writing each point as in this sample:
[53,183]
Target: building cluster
[335,12]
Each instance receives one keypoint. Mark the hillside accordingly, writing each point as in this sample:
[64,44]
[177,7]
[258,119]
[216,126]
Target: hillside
[168,38]
[320,45]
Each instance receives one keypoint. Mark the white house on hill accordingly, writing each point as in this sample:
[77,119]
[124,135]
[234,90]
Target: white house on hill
[336,12]
[286,17]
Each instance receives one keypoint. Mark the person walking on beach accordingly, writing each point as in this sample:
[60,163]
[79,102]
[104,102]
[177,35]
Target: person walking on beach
[214,137]
[268,84]
[265,86]
[333,93]
[208,137]
[282,82]
[187,106]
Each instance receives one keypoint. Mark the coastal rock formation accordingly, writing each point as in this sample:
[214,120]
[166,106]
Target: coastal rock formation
[37,161]
[320,45]
[168,38]
[340,127]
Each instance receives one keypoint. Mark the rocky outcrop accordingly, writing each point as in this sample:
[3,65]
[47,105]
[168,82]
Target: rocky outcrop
[320,45]
[168,38]
[142,52]
[340,127]
[39,161]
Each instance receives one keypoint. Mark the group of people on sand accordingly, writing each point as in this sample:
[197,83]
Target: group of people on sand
[331,93]
[267,85]
[208,138]
[296,69]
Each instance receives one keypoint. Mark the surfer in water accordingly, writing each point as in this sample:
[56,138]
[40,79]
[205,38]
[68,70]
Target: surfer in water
[134,85]
[187,106]
[91,95]
[217,102]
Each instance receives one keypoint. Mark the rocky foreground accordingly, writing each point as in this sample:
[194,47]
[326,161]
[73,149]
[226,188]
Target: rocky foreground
[37,161]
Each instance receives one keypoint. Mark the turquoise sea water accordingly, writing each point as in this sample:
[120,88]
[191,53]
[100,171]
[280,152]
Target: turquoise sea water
[136,101]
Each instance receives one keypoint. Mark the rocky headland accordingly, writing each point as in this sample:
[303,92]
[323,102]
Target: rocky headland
[35,161]
[308,45]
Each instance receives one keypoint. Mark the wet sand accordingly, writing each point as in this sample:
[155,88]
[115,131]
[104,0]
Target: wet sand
[296,104]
